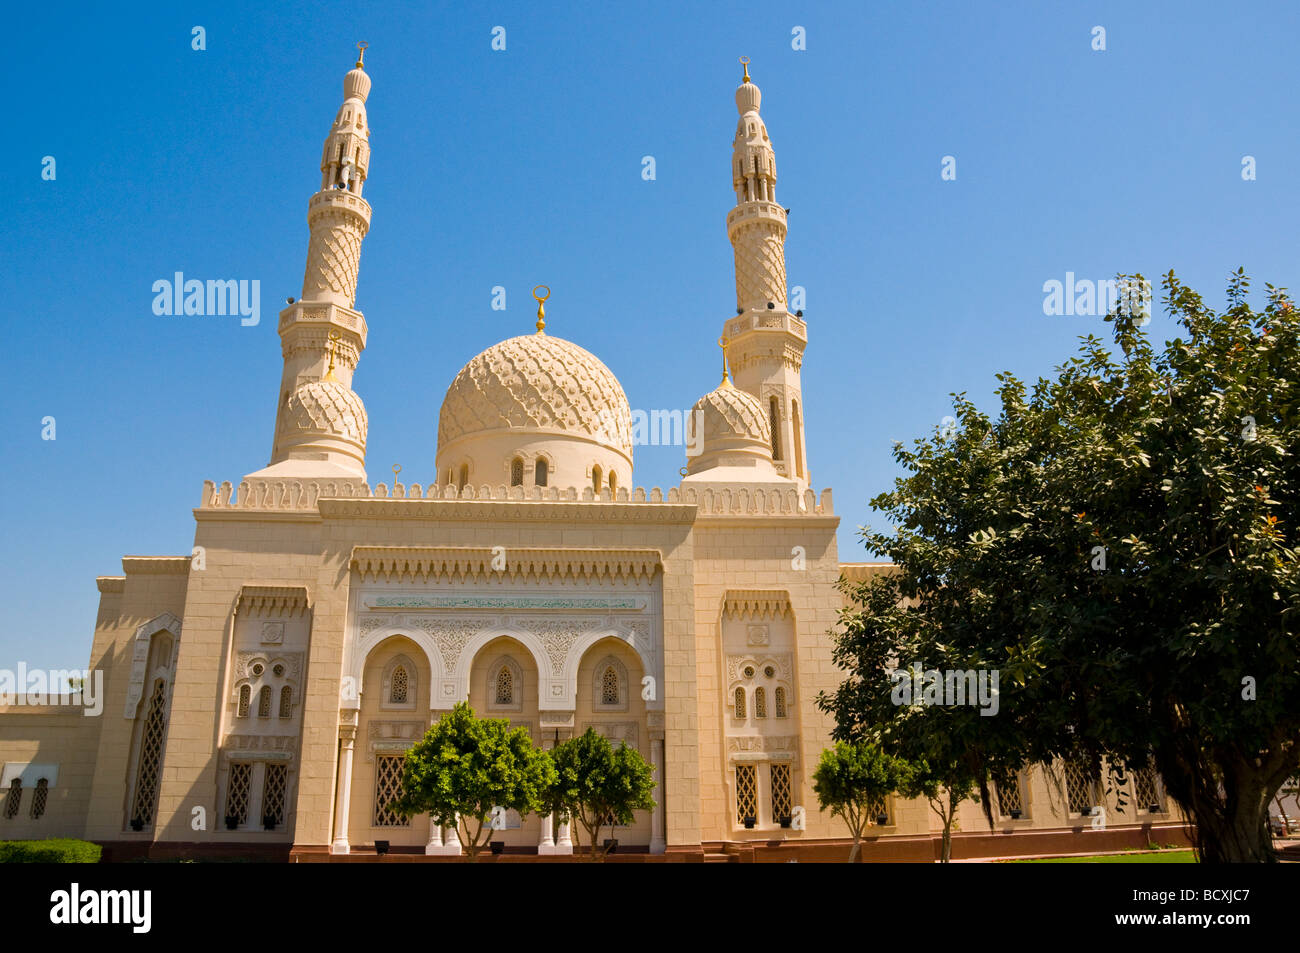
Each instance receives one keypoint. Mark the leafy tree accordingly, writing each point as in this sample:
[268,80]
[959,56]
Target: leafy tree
[945,787]
[1117,543]
[853,779]
[596,783]
[466,766]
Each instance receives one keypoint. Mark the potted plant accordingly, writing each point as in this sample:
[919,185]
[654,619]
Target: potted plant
[232,822]
[137,823]
[785,820]
[498,846]
[750,821]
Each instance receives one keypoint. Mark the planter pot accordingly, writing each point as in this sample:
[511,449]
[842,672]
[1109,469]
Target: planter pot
[381,847]
[268,822]
[498,846]
[750,822]
[785,821]
[882,819]
[137,824]
[1155,809]
[1015,815]
[232,822]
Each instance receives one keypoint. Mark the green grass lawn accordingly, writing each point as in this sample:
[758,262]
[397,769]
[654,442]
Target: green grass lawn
[1143,857]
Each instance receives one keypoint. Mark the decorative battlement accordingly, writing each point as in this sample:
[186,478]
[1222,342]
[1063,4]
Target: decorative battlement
[754,212]
[766,319]
[712,501]
[391,563]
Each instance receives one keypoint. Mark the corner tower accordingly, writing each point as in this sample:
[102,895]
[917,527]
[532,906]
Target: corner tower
[320,424]
[765,341]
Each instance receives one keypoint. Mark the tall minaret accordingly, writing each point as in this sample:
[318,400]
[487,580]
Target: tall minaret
[320,427]
[766,341]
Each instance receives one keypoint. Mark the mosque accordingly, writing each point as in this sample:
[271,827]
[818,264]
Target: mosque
[260,690]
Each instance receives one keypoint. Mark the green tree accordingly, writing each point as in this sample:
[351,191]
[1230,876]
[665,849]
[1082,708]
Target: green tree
[596,783]
[852,781]
[944,786]
[1117,544]
[465,767]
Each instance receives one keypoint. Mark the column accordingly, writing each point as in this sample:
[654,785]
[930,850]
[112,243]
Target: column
[658,844]
[347,735]
[447,845]
[434,846]
[564,843]
[546,845]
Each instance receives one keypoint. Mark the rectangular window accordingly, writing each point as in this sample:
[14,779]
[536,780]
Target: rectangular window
[388,788]
[1009,798]
[273,794]
[1146,791]
[781,803]
[746,792]
[1080,787]
[241,778]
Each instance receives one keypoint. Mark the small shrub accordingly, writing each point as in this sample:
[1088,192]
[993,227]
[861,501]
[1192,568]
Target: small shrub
[55,850]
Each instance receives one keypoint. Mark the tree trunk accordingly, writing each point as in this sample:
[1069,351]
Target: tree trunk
[853,854]
[946,854]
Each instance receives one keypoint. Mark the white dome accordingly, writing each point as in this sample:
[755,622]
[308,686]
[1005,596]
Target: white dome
[326,408]
[729,428]
[544,397]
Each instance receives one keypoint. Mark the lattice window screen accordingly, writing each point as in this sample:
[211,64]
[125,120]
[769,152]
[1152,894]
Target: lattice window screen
[740,703]
[286,701]
[39,797]
[388,788]
[273,790]
[609,687]
[746,792]
[1080,787]
[264,702]
[400,685]
[14,798]
[779,701]
[760,702]
[1145,790]
[1009,796]
[245,693]
[146,783]
[879,809]
[781,802]
[241,778]
[505,687]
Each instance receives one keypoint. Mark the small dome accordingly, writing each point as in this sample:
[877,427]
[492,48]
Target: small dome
[537,392]
[356,85]
[748,98]
[328,409]
[732,416]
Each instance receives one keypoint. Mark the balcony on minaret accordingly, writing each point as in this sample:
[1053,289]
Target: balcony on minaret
[767,321]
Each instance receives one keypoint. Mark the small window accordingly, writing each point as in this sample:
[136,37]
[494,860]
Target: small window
[400,685]
[38,798]
[596,474]
[388,788]
[779,701]
[609,687]
[505,686]
[464,475]
[781,799]
[746,792]
[774,418]
[264,702]
[14,798]
[273,789]
[237,792]
[539,473]
[286,701]
[613,482]
[517,472]
[740,703]
[245,693]
[760,702]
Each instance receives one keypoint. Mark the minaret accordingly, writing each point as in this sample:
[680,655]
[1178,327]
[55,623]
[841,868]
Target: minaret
[320,427]
[766,341]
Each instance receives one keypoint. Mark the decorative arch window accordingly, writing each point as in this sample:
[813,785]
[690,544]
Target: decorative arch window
[596,474]
[148,770]
[264,702]
[760,702]
[774,418]
[740,702]
[517,472]
[540,473]
[39,797]
[798,439]
[613,482]
[464,475]
[14,798]
[505,686]
[398,686]
[609,686]
[245,696]
[779,701]
[286,701]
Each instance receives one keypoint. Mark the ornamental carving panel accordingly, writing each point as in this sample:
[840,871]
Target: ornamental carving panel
[783,662]
[558,635]
[333,256]
[326,407]
[292,664]
[760,267]
[451,636]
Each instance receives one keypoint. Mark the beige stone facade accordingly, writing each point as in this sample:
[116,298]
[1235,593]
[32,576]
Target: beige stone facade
[261,688]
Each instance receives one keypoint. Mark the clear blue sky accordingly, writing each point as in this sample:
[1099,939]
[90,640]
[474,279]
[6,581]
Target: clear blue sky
[524,166]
